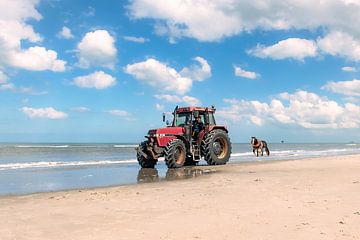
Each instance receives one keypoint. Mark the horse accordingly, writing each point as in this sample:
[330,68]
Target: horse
[259,145]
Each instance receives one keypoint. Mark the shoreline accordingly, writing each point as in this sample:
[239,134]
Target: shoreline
[204,167]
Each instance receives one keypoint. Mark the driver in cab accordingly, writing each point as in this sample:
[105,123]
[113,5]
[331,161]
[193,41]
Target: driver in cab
[198,125]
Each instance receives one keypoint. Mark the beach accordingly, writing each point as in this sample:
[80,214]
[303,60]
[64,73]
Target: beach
[315,198]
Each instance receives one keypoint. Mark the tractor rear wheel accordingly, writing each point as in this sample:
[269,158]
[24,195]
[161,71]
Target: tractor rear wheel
[143,161]
[216,147]
[175,154]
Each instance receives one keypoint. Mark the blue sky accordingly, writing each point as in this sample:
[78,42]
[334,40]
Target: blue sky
[95,71]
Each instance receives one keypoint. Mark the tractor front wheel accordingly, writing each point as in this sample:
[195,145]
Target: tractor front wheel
[175,154]
[145,162]
[216,147]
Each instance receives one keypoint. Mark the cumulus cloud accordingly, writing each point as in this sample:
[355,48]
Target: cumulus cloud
[295,48]
[163,77]
[159,76]
[136,39]
[197,72]
[338,43]
[239,72]
[348,88]
[211,20]
[97,48]
[348,69]
[98,80]
[304,109]
[49,113]
[188,100]
[65,33]
[37,59]
[15,30]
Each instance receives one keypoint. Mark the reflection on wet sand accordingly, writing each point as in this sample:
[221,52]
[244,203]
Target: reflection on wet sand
[146,175]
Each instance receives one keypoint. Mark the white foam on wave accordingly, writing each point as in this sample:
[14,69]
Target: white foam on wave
[10,166]
[125,146]
[42,146]
[302,153]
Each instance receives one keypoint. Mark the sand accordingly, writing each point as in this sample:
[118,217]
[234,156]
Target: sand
[303,199]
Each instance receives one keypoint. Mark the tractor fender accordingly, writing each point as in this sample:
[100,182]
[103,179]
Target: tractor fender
[224,128]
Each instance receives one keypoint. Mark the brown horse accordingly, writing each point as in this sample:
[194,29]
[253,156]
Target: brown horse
[259,145]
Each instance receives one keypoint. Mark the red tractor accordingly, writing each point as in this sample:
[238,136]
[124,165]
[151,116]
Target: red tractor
[181,145]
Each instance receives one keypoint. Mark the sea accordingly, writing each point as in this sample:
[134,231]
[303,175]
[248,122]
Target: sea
[31,168]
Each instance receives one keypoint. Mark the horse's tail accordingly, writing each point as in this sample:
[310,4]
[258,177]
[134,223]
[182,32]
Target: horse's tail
[267,151]
[266,148]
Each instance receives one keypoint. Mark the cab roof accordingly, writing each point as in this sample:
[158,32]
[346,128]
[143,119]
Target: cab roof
[192,109]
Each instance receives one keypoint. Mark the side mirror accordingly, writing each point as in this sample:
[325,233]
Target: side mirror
[163,117]
[167,122]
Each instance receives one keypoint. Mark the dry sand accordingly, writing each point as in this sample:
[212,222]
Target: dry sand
[303,199]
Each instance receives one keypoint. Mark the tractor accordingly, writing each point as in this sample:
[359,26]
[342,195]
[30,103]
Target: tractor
[181,146]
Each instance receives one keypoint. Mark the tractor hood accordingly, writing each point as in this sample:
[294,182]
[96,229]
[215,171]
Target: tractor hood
[168,131]
[164,135]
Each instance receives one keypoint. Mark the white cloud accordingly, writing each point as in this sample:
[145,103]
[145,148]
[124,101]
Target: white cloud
[136,39]
[65,33]
[239,72]
[196,72]
[98,80]
[119,113]
[159,107]
[80,109]
[163,77]
[97,48]
[203,20]
[348,88]
[348,69]
[192,101]
[37,59]
[159,76]
[188,100]
[342,44]
[212,20]
[168,98]
[15,30]
[295,48]
[7,86]
[48,112]
[302,108]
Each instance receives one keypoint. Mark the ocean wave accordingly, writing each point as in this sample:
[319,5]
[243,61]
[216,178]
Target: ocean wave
[125,146]
[10,166]
[42,146]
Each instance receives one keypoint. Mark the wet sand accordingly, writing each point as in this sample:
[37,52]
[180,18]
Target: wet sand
[301,199]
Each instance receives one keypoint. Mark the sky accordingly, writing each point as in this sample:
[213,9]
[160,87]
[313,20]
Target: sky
[105,71]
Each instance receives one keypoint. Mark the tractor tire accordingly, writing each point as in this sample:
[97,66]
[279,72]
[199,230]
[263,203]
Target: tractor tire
[216,147]
[175,154]
[145,162]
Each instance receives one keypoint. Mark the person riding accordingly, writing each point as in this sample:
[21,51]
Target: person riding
[198,125]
